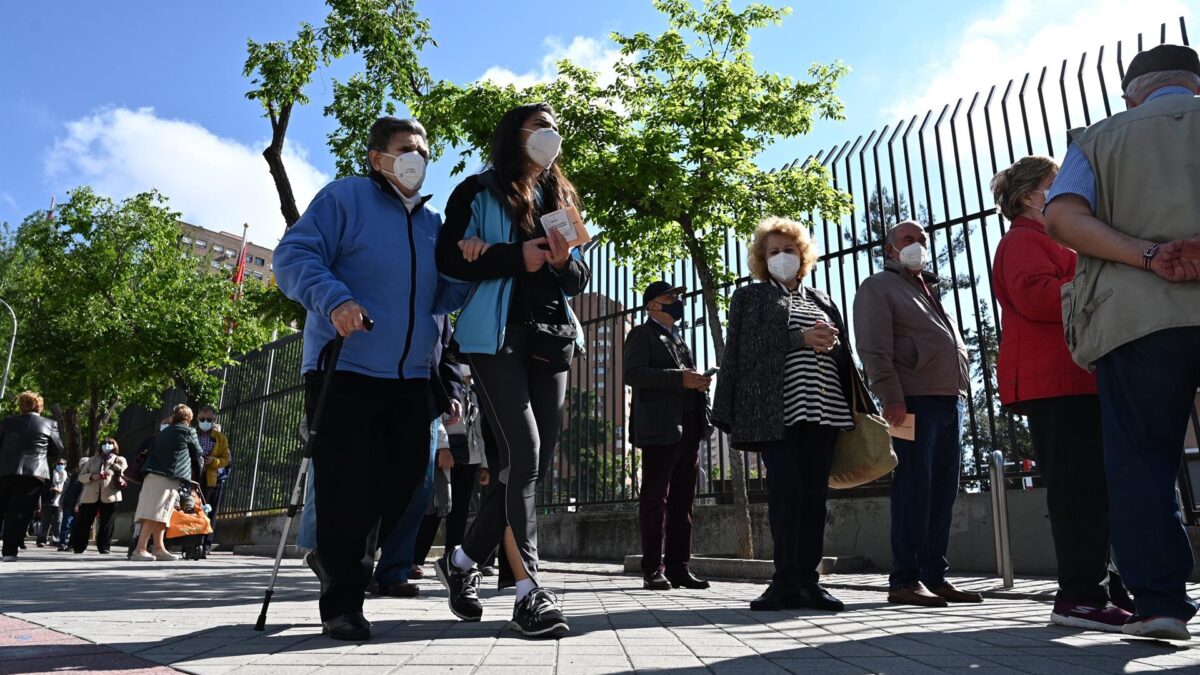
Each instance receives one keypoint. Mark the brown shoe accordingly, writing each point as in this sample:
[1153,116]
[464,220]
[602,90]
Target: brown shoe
[952,594]
[915,594]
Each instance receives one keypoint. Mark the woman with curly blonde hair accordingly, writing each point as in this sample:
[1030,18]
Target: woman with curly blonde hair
[785,390]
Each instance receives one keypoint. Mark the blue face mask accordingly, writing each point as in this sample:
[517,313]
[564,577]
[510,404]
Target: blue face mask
[674,310]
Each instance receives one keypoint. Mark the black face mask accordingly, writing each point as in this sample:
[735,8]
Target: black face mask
[674,310]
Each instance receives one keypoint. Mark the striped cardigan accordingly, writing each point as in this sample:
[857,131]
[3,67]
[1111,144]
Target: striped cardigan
[748,403]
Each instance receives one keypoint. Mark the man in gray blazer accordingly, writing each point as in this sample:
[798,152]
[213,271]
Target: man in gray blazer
[670,415]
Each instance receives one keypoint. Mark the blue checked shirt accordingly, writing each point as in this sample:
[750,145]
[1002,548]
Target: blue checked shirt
[1076,176]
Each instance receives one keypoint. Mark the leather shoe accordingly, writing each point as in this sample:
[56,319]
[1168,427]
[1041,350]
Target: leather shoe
[915,594]
[949,593]
[771,600]
[816,597]
[656,582]
[685,579]
[352,627]
[398,589]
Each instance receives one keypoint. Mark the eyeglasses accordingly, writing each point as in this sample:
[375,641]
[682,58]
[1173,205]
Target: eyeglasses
[207,419]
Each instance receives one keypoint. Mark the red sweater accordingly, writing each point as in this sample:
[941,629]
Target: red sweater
[1029,272]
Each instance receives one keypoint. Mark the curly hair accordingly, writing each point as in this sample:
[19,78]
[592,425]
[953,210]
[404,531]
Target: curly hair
[30,402]
[791,229]
[1011,185]
[181,414]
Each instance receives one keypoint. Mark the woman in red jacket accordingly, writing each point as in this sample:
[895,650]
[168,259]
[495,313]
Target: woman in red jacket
[1038,379]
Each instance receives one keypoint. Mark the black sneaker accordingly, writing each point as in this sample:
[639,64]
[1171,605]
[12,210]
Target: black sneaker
[463,588]
[539,615]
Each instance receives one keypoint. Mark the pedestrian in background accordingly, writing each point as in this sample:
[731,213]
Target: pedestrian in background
[103,479]
[1038,379]
[27,440]
[172,462]
[215,459]
[669,416]
[52,504]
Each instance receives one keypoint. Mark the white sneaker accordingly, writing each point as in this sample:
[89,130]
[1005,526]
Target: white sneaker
[9,558]
[1161,627]
[143,557]
[165,556]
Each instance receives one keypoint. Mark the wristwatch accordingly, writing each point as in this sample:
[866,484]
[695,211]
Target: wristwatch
[1148,256]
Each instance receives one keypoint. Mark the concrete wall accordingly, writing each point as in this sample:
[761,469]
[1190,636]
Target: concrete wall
[855,527]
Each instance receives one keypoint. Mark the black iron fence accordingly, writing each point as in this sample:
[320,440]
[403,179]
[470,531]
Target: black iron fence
[934,168]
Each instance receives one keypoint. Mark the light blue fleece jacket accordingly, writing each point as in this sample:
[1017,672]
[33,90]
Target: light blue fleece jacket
[357,241]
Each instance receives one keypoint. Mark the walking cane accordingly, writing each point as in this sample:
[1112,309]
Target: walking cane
[330,366]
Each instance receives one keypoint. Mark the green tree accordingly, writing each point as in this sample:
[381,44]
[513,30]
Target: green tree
[664,157]
[112,312]
[586,443]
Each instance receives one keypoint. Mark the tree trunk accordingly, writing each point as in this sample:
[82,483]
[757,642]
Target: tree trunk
[93,427]
[274,156]
[68,429]
[737,472]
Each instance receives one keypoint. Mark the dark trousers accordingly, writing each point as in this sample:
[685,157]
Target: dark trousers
[924,487]
[797,484]
[524,408]
[462,488]
[1146,392]
[19,498]
[82,528]
[212,496]
[370,453]
[51,522]
[1070,455]
[665,505]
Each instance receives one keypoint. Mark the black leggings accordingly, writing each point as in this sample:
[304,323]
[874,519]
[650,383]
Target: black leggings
[524,408]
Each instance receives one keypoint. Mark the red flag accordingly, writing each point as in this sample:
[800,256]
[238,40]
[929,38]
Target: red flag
[239,272]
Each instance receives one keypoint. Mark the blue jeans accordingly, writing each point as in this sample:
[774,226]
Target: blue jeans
[1146,392]
[396,560]
[306,537]
[924,487]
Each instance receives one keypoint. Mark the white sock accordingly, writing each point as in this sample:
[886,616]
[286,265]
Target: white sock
[460,559]
[524,588]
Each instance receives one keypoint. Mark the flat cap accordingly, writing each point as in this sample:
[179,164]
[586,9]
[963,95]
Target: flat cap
[1162,57]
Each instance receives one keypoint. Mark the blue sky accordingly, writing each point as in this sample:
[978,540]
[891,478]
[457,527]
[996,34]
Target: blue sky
[141,94]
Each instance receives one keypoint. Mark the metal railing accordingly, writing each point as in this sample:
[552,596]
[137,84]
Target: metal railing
[934,168]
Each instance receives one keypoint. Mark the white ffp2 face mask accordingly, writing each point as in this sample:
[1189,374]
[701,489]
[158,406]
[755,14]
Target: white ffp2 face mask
[408,169]
[543,147]
[914,256]
[783,266]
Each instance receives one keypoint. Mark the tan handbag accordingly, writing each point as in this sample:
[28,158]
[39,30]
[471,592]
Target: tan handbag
[862,454]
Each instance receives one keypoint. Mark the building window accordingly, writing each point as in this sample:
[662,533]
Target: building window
[215,264]
[200,243]
[600,370]
[600,384]
[218,249]
[249,258]
[260,262]
[186,240]
[258,275]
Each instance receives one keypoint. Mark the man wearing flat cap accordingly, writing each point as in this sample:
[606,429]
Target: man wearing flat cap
[1128,200]
[670,415]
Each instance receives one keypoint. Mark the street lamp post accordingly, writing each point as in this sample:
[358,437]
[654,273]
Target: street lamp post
[12,343]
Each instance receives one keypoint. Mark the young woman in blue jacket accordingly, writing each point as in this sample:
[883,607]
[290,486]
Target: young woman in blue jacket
[518,334]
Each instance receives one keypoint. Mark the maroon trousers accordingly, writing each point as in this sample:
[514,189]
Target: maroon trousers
[665,506]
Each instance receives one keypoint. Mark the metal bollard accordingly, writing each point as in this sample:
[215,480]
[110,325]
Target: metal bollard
[1004,566]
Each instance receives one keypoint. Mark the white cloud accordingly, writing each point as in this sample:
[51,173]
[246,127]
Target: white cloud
[583,51]
[214,182]
[1022,36]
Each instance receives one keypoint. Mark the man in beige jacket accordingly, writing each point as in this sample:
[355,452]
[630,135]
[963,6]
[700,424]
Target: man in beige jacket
[917,364]
[1127,199]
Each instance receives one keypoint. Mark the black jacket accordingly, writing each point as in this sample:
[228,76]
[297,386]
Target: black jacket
[26,443]
[748,403]
[654,365]
[175,453]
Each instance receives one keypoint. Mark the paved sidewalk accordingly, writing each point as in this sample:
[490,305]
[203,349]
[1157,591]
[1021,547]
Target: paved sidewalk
[198,617]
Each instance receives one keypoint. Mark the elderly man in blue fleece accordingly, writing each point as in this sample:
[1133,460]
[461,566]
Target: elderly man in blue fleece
[365,248]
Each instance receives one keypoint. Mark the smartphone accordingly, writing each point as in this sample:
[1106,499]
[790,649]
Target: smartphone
[711,371]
